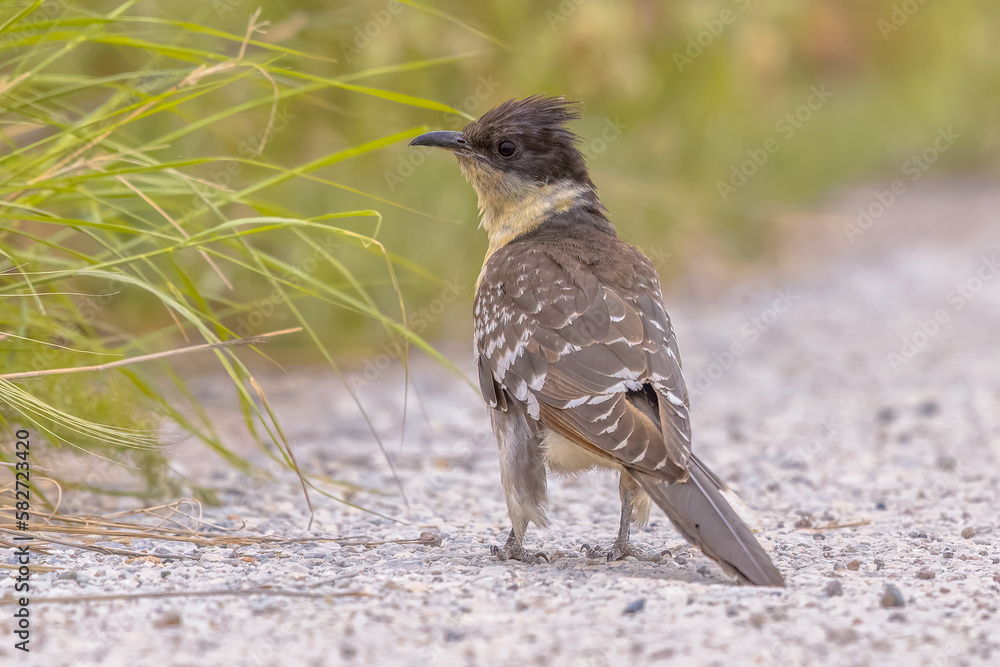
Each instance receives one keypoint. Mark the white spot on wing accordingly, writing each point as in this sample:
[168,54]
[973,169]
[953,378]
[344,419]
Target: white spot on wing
[533,409]
[612,429]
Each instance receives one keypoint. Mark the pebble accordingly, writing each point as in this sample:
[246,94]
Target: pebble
[415,587]
[212,557]
[886,414]
[947,463]
[635,606]
[169,619]
[968,533]
[928,408]
[313,552]
[892,597]
[833,588]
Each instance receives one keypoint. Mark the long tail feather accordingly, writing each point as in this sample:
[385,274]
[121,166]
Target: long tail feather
[698,510]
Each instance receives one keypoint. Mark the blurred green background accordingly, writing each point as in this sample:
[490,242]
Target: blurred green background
[678,116]
[677,91]
[706,123]
[680,93]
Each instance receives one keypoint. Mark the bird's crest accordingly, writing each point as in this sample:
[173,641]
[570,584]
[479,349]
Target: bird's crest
[543,116]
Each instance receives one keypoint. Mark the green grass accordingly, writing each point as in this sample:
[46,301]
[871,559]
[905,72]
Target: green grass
[127,228]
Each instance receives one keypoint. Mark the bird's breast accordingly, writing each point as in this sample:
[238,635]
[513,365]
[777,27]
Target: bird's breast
[566,457]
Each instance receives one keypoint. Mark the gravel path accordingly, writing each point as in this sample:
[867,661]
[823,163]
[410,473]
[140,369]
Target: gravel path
[874,477]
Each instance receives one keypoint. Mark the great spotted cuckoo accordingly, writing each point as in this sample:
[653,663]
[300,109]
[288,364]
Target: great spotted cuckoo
[576,355]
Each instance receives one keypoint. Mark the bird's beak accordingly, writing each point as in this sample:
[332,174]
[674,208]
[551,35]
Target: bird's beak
[453,141]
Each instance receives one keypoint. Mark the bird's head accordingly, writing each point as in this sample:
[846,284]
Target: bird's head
[523,162]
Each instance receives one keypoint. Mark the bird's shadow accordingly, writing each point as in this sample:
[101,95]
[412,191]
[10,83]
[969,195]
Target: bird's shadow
[663,569]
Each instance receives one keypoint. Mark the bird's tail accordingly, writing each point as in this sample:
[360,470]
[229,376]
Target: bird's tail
[698,510]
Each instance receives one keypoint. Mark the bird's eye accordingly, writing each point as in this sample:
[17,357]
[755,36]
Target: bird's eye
[506,148]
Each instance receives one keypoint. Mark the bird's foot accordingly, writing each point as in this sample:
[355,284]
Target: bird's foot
[514,551]
[619,549]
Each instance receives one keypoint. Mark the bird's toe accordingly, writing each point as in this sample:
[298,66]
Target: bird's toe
[617,551]
[517,552]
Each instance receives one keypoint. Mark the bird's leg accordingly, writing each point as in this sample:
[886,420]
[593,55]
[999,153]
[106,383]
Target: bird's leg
[522,472]
[628,490]
[514,549]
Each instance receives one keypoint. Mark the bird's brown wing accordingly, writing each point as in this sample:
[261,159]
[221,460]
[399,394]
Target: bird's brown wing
[578,352]
[592,357]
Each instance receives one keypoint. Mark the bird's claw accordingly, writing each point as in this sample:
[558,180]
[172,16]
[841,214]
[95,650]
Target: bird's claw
[517,552]
[618,551]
